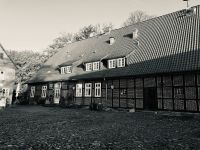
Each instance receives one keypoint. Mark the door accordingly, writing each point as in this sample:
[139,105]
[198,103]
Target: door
[56,96]
[150,98]
[57,87]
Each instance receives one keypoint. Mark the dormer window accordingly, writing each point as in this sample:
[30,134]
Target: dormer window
[96,65]
[112,63]
[88,66]
[191,11]
[112,40]
[121,62]
[92,66]
[135,34]
[66,70]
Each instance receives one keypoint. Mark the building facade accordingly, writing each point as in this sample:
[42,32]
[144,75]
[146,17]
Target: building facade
[7,78]
[153,65]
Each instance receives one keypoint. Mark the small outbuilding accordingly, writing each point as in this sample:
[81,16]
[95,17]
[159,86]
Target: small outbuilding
[7,78]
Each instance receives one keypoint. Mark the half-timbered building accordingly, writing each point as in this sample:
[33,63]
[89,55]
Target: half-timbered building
[154,64]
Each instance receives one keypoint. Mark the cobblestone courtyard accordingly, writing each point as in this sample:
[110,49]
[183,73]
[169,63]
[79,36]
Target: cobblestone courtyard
[36,127]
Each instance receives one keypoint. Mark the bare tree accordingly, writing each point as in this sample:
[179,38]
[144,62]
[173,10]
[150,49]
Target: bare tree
[137,16]
[84,33]
[100,29]
[62,40]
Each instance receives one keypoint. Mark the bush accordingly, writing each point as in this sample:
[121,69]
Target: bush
[22,99]
[41,101]
[66,102]
[96,106]
[62,102]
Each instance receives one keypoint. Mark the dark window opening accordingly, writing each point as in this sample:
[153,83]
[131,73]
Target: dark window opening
[1,55]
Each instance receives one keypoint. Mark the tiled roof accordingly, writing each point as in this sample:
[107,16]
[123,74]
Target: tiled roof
[168,43]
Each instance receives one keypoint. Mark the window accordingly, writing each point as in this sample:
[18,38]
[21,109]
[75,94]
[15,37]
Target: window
[78,90]
[2,75]
[97,89]
[44,91]
[62,70]
[50,85]
[32,91]
[67,69]
[191,11]
[89,67]
[112,63]
[88,89]
[57,85]
[121,62]
[1,55]
[5,92]
[95,65]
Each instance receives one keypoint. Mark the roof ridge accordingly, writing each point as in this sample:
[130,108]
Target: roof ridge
[104,34]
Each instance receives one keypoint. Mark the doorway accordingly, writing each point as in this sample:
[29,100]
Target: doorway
[56,96]
[150,98]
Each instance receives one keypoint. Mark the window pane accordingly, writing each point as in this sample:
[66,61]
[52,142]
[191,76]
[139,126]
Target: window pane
[78,90]
[88,89]
[32,91]
[88,66]
[44,90]
[112,63]
[97,89]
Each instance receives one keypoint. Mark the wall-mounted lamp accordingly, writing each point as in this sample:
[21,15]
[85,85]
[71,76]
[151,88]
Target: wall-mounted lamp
[112,87]
[73,88]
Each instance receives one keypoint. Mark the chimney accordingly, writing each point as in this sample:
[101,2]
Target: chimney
[191,11]
[135,34]
[112,40]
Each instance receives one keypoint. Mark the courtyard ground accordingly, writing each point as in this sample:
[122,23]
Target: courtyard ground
[37,127]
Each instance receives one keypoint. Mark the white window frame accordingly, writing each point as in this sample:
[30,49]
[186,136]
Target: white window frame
[96,65]
[57,85]
[121,62]
[69,69]
[88,66]
[97,91]
[112,63]
[66,70]
[88,89]
[79,90]
[62,70]
[44,91]
[32,94]
[6,93]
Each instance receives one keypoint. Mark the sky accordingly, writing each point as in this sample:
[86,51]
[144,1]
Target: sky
[33,24]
